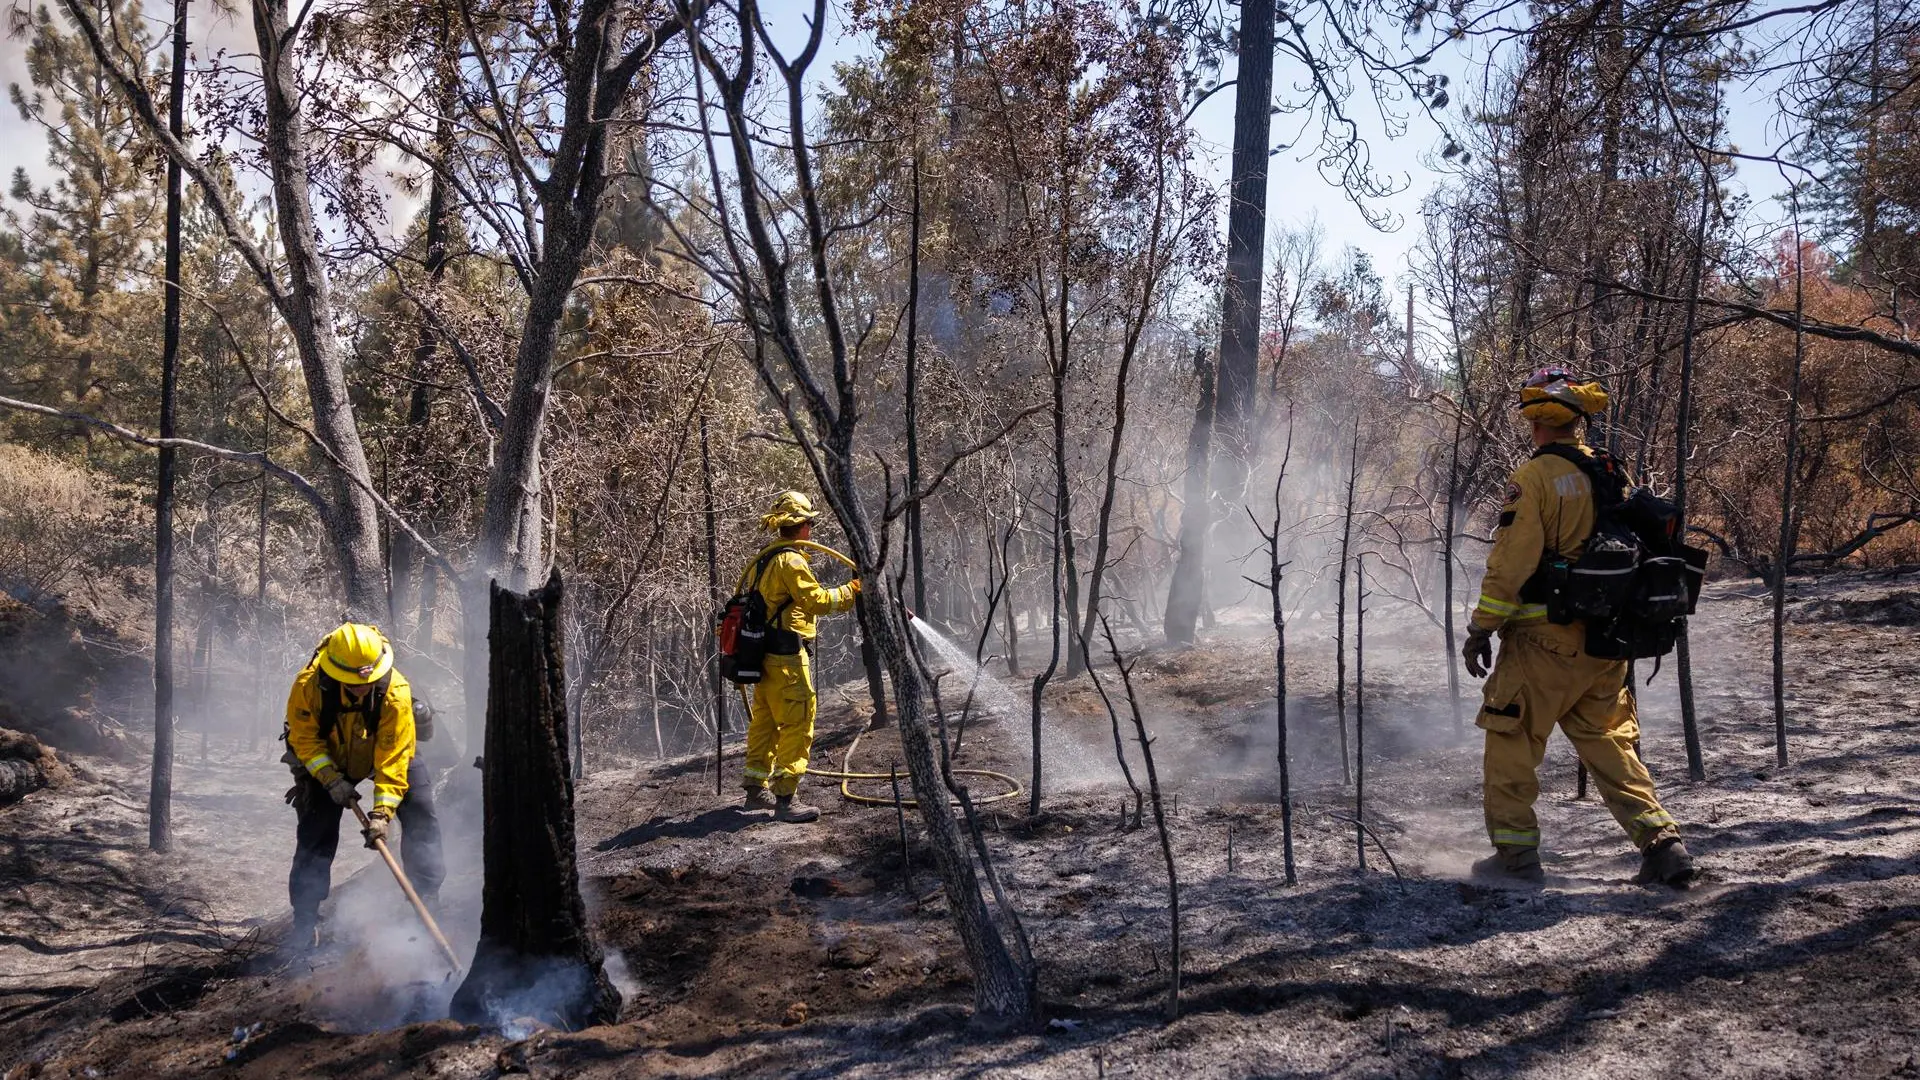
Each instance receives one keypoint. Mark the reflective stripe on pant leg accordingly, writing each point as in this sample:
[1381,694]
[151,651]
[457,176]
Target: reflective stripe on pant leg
[1515,837]
[761,734]
[794,710]
[1651,826]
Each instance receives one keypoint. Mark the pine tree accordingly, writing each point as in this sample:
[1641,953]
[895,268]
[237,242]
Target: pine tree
[80,284]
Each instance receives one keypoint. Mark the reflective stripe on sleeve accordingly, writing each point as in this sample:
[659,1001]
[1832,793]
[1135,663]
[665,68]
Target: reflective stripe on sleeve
[385,798]
[318,762]
[1497,607]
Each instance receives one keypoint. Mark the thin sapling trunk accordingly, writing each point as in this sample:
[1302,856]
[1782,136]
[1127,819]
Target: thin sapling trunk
[1360,712]
[1274,586]
[715,686]
[1784,552]
[1340,608]
[1159,816]
[1683,660]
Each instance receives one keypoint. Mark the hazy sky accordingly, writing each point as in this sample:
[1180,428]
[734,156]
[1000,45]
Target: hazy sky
[1296,191]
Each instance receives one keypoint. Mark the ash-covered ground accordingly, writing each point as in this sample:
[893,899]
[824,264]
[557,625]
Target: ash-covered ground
[747,948]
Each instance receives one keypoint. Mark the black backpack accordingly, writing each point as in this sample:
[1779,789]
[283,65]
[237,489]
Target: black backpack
[1636,581]
[748,632]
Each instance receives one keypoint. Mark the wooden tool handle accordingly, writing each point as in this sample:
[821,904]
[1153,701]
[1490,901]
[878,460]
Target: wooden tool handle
[419,906]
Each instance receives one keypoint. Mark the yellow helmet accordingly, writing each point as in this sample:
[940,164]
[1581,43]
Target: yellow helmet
[356,654]
[789,508]
[1552,397]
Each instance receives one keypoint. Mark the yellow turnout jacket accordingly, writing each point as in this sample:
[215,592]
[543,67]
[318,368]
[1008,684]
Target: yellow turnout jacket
[789,580]
[1549,506]
[357,747]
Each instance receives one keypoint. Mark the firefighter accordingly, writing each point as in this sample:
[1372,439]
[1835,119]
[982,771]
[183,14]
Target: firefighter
[780,730]
[350,718]
[1544,676]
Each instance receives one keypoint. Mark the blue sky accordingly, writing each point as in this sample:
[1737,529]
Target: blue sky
[1296,192]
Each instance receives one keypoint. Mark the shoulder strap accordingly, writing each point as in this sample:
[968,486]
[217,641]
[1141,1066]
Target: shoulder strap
[1602,470]
[329,689]
[765,560]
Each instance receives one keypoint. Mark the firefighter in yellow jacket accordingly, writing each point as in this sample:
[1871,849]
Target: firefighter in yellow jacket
[1544,676]
[350,718]
[780,730]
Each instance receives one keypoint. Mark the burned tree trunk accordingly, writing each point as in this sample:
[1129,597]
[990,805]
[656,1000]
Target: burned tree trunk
[160,787]
[1447,552]
[1784,553]
[1231,460]
[870,661]
[535,957]
[1683,658]
[1196,516]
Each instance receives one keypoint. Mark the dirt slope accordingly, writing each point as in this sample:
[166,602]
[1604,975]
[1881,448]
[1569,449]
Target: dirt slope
[752,949]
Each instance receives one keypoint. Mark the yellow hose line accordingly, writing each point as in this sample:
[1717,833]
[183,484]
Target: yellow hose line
[823,549]
[846,778]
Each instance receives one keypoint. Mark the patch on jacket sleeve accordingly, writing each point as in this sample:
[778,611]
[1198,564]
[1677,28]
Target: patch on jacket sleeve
[1506,519]
[1513,493]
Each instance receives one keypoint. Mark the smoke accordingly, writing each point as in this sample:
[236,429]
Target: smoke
[382,968]
[620,975]
[545,991]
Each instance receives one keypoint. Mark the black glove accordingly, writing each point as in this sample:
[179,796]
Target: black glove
[342,791]
[1478,652]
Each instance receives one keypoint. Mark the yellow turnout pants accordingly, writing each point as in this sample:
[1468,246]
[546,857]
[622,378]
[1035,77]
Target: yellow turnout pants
[1544,677]
[780,730]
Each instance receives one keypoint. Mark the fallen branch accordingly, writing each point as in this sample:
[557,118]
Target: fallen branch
[1371,835]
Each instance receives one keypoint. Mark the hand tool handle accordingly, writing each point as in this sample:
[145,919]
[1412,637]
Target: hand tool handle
[419,907]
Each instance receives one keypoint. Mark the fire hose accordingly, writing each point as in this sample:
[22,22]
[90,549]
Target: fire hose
[845,775]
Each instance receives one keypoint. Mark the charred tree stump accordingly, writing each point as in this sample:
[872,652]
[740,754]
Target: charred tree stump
[535,957]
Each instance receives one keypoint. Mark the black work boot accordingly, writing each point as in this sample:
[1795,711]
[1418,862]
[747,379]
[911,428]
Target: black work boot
[304,937]
[1666,862]
[785,809]
[1515,863]
[757,799]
